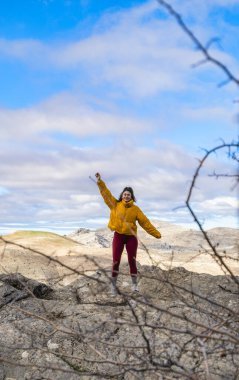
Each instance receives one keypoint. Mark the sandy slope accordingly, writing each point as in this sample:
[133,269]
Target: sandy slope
[85,250]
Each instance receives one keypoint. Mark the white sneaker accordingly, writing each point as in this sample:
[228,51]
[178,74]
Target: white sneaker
[135,288]
[113,290]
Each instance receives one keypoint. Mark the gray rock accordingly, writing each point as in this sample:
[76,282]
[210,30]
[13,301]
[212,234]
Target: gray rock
[2,372]
[178,319]
[26,285]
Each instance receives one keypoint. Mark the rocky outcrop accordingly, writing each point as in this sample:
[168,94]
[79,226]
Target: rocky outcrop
[181,325]
[17,287]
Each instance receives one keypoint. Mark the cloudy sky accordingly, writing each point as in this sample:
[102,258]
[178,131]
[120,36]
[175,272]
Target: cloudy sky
[109,86]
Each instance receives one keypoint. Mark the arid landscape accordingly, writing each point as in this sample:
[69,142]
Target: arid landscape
[86,250]
[58,319]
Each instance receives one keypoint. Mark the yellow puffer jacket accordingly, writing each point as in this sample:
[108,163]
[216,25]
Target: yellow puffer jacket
[123,215]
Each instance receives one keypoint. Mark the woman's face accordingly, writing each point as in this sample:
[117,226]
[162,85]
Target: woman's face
[126,196]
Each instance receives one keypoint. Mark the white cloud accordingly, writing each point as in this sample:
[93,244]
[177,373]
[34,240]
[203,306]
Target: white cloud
[64,113]
[223,204]
[209,113]
[134,50]
[59,190]
[141,56]
[219,211]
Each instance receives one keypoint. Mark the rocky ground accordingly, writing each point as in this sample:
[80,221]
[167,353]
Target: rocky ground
[59,321]
[181,325]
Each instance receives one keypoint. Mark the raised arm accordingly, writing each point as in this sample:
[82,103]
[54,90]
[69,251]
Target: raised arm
[109,199]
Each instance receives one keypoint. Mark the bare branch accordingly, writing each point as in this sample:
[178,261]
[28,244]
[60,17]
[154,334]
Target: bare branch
[199,45]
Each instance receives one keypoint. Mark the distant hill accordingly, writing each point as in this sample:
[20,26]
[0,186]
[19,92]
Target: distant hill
[173,237]
[86,250]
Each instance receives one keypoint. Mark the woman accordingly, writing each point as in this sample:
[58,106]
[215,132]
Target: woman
[123,216]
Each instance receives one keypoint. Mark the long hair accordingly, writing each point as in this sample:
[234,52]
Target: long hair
[130,190]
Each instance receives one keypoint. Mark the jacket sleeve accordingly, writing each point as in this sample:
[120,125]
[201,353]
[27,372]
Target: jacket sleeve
[109,199]
[147,225]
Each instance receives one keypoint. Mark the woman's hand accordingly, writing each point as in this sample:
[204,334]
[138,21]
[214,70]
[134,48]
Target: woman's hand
[98,177]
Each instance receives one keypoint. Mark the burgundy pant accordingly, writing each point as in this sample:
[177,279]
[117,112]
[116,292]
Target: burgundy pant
[131,243]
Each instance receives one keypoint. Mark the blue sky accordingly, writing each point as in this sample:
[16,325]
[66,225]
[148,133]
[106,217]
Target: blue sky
[109,86]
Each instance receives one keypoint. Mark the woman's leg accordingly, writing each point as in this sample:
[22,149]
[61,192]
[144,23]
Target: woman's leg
[131,248]
[117,249]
